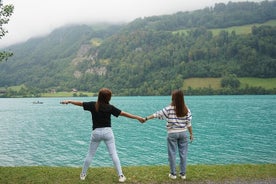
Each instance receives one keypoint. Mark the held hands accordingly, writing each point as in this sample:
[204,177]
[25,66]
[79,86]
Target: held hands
[142,120]
[147,118]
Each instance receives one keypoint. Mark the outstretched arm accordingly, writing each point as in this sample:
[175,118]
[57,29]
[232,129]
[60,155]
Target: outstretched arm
[78,103]
[128,115]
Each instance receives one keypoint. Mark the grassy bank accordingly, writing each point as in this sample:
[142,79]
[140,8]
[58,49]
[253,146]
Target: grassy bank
[67,94]
[195,83]
[214,83]
[140,174]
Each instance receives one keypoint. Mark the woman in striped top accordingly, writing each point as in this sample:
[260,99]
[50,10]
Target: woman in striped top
[178,117]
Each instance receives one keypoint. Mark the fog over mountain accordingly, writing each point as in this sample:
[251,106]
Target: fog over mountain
[34,18]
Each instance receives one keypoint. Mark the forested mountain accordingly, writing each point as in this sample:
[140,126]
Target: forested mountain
[148,56]
[220,16]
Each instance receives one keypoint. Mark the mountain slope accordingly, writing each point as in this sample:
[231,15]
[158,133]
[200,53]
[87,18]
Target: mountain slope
[148,56]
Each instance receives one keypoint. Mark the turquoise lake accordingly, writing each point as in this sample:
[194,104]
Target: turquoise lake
[227,130]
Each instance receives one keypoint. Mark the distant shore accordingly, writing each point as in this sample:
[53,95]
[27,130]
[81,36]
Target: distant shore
[68,94]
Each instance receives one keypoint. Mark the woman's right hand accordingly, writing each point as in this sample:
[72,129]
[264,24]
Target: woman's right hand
[65,102]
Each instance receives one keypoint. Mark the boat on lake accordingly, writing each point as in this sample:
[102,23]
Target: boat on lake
[37,102]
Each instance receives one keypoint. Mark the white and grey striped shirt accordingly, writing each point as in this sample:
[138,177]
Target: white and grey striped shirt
[174,123]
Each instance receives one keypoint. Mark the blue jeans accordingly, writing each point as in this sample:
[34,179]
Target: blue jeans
[106,135]
[178,141]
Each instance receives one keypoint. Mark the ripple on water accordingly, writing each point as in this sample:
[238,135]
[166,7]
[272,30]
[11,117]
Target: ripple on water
[227,129]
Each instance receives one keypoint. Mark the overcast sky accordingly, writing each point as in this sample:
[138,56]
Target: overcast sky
[34,18]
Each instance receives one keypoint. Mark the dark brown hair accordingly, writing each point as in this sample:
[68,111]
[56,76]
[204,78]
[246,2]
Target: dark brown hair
[104,97]
[179,103]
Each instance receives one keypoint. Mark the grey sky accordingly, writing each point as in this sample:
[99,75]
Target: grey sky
[33,18]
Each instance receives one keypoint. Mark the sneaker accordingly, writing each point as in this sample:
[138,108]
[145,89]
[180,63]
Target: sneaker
[82,176]
[122,178]
[183,176]
[172,176]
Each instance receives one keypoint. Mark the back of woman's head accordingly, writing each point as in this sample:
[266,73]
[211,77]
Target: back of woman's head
[179,104]
[104,96]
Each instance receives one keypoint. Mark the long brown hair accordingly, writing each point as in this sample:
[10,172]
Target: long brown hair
[104,97]
[179,103]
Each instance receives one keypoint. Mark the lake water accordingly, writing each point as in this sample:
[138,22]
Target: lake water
[227,130]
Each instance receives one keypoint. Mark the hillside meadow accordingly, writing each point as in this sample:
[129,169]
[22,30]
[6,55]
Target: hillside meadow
[245,29]
[194,83]
[214,83]
[68,94]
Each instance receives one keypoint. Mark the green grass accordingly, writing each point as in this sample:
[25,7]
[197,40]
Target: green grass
[245,29]
[139,174]
[214,83]
[256,82]
[15,88]
[66,94]
[195,83]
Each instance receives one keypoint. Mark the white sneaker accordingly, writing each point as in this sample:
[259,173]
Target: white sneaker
[183,176]
[122,178]
[82,176]
[172,176]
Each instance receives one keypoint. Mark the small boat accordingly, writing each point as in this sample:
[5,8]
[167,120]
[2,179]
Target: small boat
[37,102]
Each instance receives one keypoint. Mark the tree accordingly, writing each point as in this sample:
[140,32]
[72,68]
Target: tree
[231,81]
[5,13]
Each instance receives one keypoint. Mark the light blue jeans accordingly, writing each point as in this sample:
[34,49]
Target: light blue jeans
[106,135]
[178,141]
